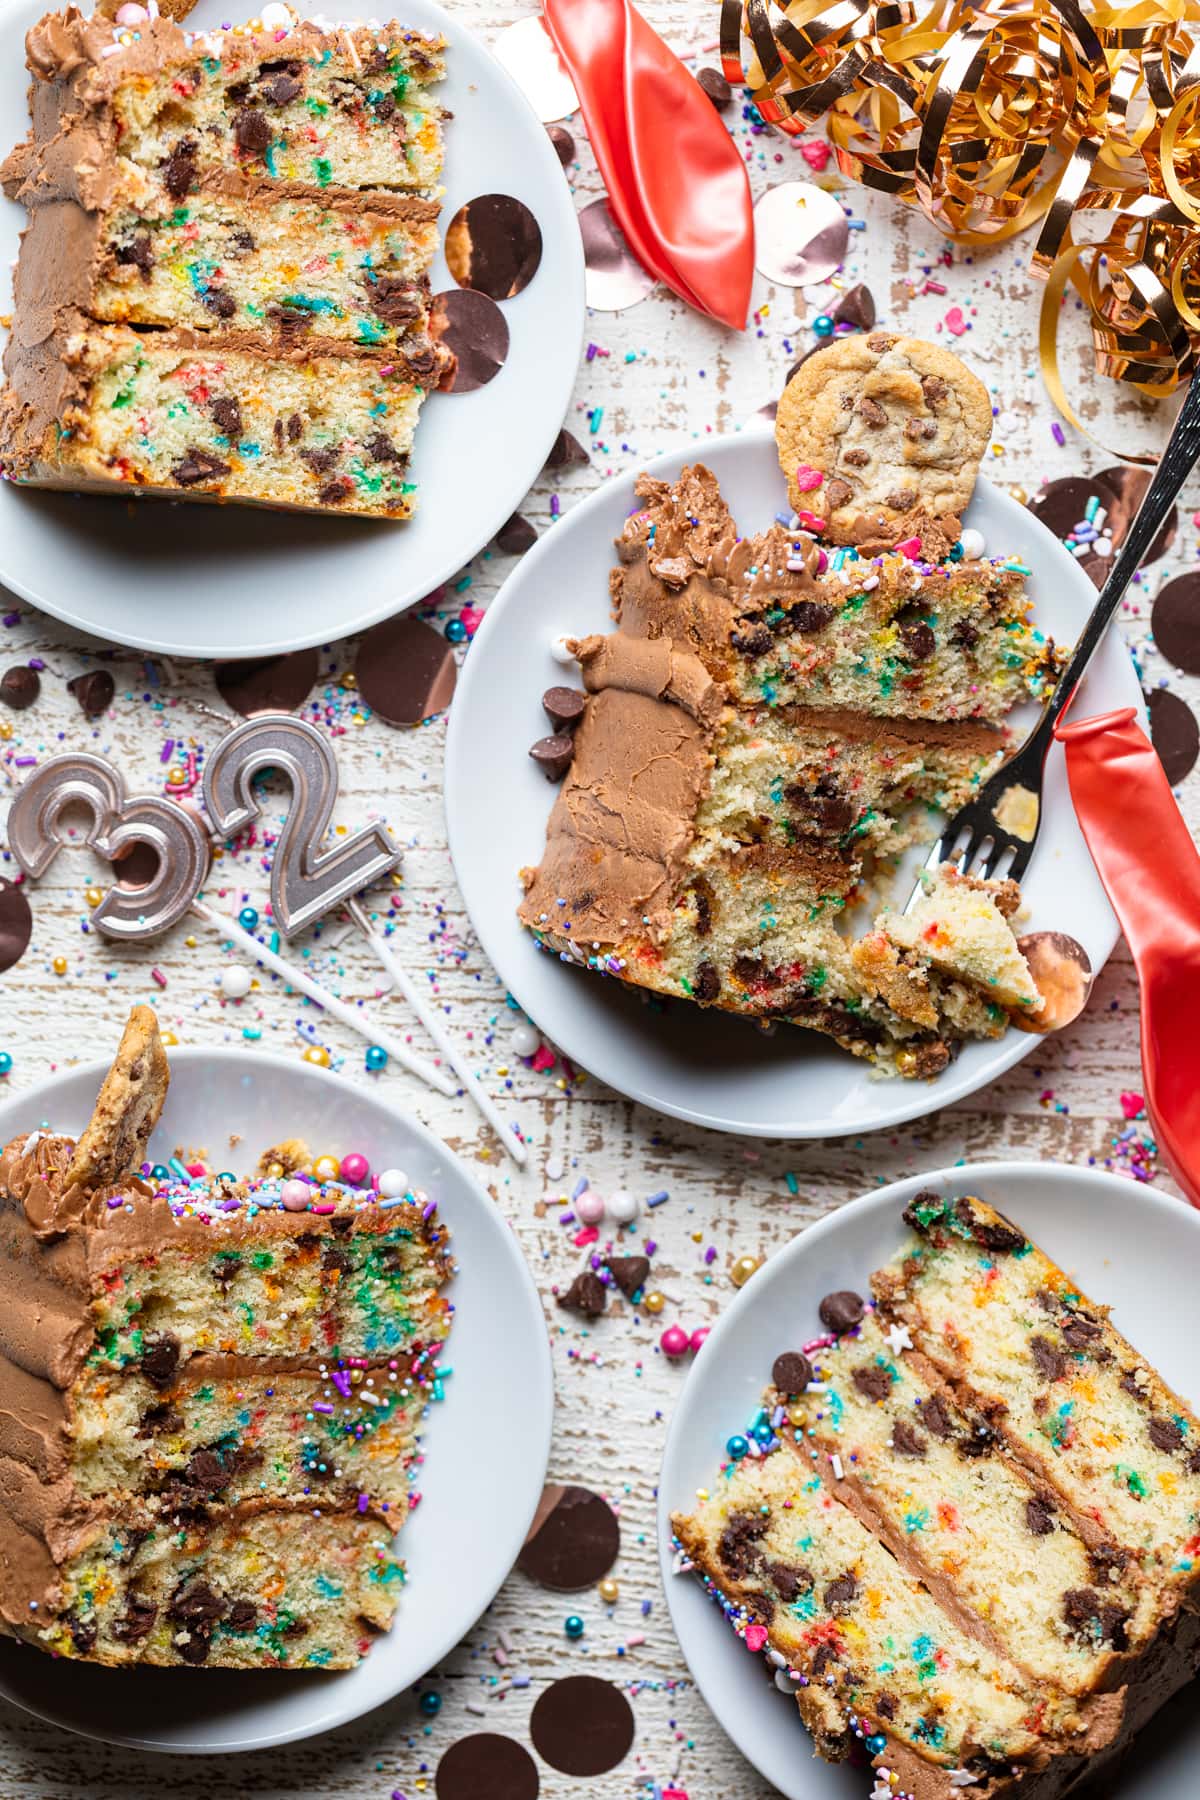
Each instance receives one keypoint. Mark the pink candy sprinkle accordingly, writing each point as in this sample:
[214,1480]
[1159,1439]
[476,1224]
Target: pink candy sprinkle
[756,1637]
[807,478]
[815,154]
[585,1237]
[955,323]
[810,521]
[1132,1104]
[542,1059]
[910,547]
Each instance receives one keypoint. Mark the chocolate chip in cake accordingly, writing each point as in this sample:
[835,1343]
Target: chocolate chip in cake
[160,1359]
[907,1439]
[1165,1435]
[384,107]
[84,1632]
[1000,1235]
[218,302]
[841,1591]
[1108,1561]
[198,465]
[1091,1619]
[871,412]
[736,1548]
[241,241]
[791,1372]
[243,1616]
[396,301]
[381,449]
[295,428]
[564,707]
[716,87]
[163,1417]
[841,1311]
[20,687]
[978,1441]
[753,640]
[586,1295]
[873,1381]
[281,91]
[515,536]
[824,1655]
[706,985]
[705,902]
[321,459]
[553,755]
[179,170]
[1039,1516]
[227,411]
[964,635]
[628,1272]
[918,640]
[789,1583]
[136,1622]
[1080,1332]
[808,615]
[885,1705]
[138,253]
[335,491]
[206,1471]
[1051,1362]
[251,131]
[94,691]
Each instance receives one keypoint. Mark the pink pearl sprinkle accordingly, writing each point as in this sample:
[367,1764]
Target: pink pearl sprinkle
[697,1338]
[822,562]
[130,14]
[807,478]
[674,1341]
[589,1207]
[355,1169]
[294,1196]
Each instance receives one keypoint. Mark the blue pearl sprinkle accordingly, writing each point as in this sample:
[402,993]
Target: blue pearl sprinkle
[248,918]
[573,1625]
[376,1058]
[5,1063]
[160,1172]
[430,1704]
[736,1448]
[877,1744]
[822,325]
[763,1431]
[456,631]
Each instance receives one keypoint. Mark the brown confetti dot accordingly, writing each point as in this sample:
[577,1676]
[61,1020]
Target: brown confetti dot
[800,234]
[1174,733]
[494,245]
[16,924]
[487,1764]
[564,144]
[261,684]
[582,1726]
[1175,622]
[473,327]
[574,1539]
[405,670]
[615,277]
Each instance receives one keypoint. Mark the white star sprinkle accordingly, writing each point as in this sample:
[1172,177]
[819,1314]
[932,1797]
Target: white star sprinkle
[898,1339]
[963,1778]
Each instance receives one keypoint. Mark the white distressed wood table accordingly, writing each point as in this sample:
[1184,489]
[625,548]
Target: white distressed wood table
[655,377]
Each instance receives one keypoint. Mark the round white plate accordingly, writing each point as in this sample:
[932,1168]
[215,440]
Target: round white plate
[217,1092]
[718,1070]
[1126,1245]
[231,581]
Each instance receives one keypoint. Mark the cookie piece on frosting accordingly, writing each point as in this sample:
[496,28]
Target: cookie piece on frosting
[128,1106]
[880,437]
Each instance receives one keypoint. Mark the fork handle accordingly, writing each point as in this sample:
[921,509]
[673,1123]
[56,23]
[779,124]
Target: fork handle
[1174,467]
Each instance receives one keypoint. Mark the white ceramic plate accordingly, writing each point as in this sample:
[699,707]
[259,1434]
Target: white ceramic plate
[1126,1245]
[720,1071]
[195,580]
[498,1348]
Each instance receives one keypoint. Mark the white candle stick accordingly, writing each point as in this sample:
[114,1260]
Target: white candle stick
[477,1093]
[338,1009]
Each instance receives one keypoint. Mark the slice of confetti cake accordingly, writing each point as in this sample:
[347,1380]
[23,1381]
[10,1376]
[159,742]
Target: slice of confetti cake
[963,1525]
[195,1372]
[768,724]
[224,289]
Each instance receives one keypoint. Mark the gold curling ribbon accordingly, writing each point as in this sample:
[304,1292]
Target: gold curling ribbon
[998,116]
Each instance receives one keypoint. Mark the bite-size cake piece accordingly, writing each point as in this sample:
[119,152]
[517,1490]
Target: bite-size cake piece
[194,1372]
[104,408]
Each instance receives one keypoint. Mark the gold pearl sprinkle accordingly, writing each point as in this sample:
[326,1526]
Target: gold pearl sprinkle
[608,1591]
[275,1171]
[6,729]
[59,965]
[743,1269]
[316,1054]
[326,1168]
[93,896]
[653,1301]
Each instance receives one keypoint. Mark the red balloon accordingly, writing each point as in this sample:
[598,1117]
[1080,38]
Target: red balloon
[676,182]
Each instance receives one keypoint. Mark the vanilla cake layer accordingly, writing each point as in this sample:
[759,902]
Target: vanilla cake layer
[1070,1397]
[262,1587]
[227,1429]
[346,108]
[106,409]
[970,1523]
[344,267]
[865,1647]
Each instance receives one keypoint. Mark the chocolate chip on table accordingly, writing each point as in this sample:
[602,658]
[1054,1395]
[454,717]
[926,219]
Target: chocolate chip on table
[564,144]
[716,87]
[855,307]
[628,1272]
[587,1294]
[791,1372]
[841,1311]
[553,755]
[515,536]
[564,706]
[566,452]
[20,687]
